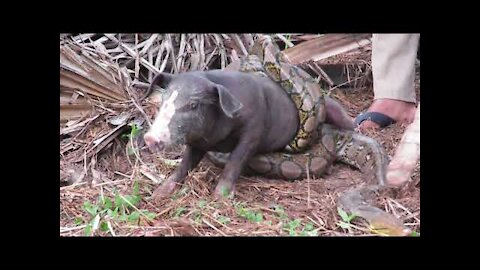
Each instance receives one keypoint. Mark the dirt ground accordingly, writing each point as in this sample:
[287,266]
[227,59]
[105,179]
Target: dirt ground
[261,207]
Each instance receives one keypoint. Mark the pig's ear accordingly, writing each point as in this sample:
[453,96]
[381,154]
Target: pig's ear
[161,80]
[229,104]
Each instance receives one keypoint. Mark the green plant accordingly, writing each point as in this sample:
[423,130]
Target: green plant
[414,233]
[134,131]
[281,213]
[122,208]
[179,211]
[223,220]
[346,219]
[309,230]
[249,214]
[288,37]
[201,204]
[292,226]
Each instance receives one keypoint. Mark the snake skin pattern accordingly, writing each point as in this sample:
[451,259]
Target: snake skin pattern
[317,145]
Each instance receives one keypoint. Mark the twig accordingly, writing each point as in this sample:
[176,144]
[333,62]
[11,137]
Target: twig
[347,82]
[218,222]
[170,45]
[135,151]
[159,55]
[133,54]
[122,174]
[403,208]
[322,73]
[110,228]
[240,44]
[134,207]
[137,58]
[213,227]
[72,186]
[181,54]
[149,43]
[286,41]
[112,182]
[62,230]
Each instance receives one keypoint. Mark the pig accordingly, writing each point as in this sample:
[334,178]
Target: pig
[229,112]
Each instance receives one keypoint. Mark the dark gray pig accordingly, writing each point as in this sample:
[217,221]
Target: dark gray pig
[225,111]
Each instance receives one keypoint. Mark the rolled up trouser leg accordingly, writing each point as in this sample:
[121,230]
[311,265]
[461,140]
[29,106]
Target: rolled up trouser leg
[393,64]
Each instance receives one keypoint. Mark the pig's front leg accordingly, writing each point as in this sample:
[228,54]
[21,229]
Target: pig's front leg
[232,170]
[190,160]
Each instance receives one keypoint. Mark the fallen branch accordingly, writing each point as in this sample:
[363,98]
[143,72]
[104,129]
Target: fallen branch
[325,46]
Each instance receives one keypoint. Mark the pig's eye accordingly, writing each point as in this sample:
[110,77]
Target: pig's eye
[193,105]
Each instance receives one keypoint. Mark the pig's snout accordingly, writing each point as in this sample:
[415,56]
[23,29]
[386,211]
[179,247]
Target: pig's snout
[153,142]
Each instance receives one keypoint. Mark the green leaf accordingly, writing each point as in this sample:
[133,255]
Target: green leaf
[295,223]
[150,215]
[344,225]
[198,217]
[91,209]
[113,214]
[292,226]
[414,233]
[343,214]
[184,191]
[308,226]
[130,151]
[88,229]
[281,212]
[224,191]
[78,221]
[251,216]
[104,226]
[134,216]
[107,203]
[202,204]
[95,223]
[223,220]
[118,200]
[134,131]
[133,199]
[123,217]
[258,217]
[136,188]
[179,211]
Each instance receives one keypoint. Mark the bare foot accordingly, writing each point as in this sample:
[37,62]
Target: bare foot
[398,110]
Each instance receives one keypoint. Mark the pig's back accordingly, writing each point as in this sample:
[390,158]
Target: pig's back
[264,99]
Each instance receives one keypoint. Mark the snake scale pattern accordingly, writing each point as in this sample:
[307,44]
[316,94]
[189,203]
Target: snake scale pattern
[317,144]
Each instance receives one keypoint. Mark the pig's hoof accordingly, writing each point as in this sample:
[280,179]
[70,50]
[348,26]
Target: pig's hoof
[164,191]
[224,192]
